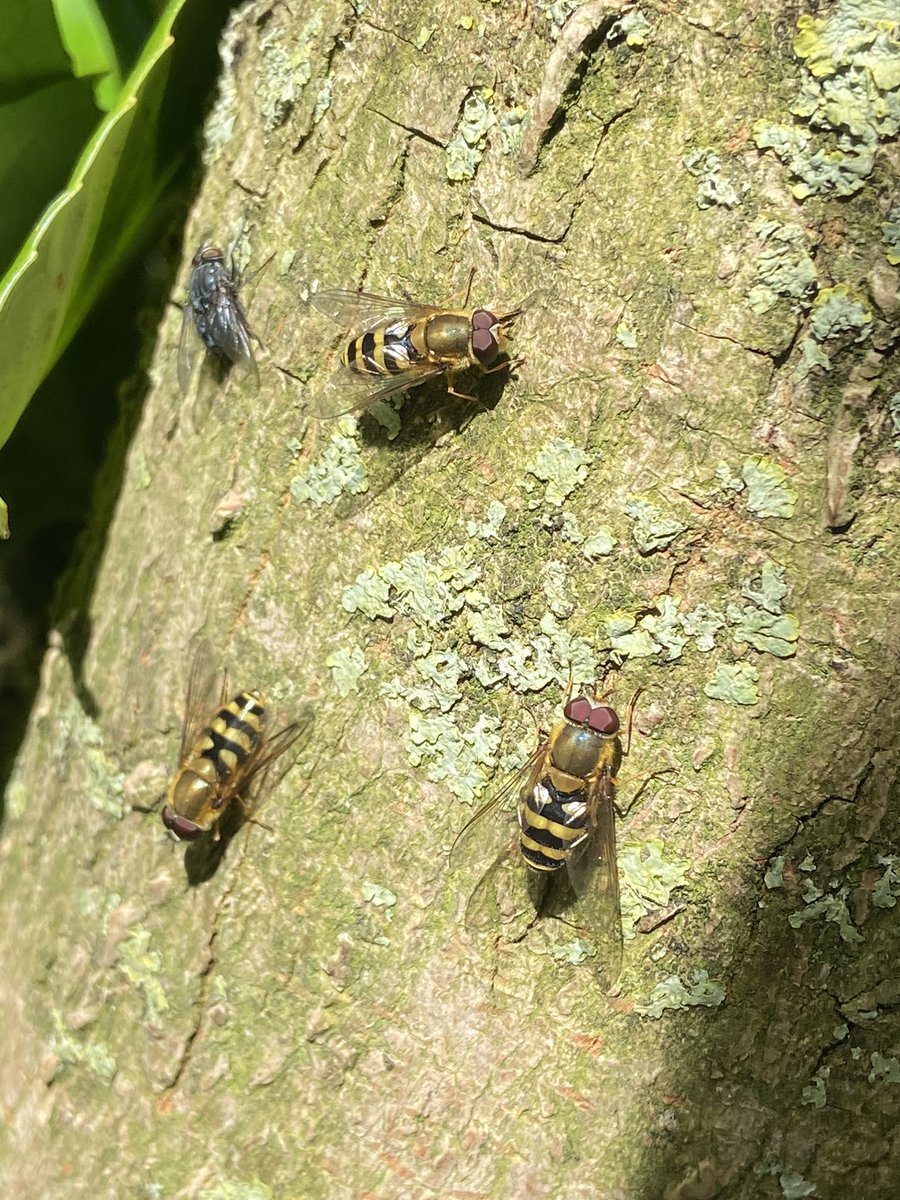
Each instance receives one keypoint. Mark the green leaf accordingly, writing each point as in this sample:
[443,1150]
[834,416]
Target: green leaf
[89,230]
[90,47]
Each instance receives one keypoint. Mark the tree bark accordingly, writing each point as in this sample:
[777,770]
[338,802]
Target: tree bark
[306,1015]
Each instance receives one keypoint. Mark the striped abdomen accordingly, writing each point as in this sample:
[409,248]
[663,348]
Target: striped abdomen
[386,350]
[551,824]
[232,737]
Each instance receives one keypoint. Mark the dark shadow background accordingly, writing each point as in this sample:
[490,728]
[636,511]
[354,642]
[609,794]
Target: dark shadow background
[62,467]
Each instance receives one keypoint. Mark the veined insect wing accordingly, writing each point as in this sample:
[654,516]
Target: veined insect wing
[358,311]
[204,691]
[480,838]
[260,778]
[591,900]
[189,348]
[229,331]
[348,392]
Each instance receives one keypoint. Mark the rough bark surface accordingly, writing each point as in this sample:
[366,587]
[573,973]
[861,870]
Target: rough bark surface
[314,1020]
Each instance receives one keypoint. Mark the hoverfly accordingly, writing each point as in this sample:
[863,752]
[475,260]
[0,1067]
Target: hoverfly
[401,345]
[565,809]
[214,311]
[226,752]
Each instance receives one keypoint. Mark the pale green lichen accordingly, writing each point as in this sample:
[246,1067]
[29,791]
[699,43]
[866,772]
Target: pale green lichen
[726,479]
[652,530]
[285,68]
[141,966]
[424,36]
[625,336]
[887,889]
[441,670]
[600,544]
[829,908]
[836,310]
[815,1093]
[369,594]
[811,355]
[573,952]
[633,26]
[672,993]
[380,897]
[702,624]
[712,189]
[768,494]
[784,269]
[842,171]
[852,81]
[488,628]
[774,876]
[74,1051]
[648,880]
[451,755]
[489,530]
[890,232]
[734,684]
[850,89]
[557,589]
[557,13]
[346,667]
[764,631]
[511,128]
[340,469]
[466,148]
[766,587]
[562,466]
[428,590]
[885,1069]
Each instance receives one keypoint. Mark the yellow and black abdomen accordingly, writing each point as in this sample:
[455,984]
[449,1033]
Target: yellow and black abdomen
[551,824]
[233,736]
[386,350]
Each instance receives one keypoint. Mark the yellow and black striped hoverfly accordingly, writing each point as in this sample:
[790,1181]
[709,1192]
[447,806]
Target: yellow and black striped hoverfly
[401,344]
[213,316]
[226,752]
[565,810]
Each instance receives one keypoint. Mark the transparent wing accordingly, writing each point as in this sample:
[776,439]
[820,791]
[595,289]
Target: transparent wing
[593,877]
[188,349]
[500,896]
[364,310]
[281,742]
[231,333]
[478,840]
[347,391]
[200,700]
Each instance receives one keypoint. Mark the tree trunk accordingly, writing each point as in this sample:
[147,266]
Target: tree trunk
[660,494]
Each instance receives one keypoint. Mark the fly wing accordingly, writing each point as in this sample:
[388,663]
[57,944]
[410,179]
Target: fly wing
[259,778]
[200,699]
[349,391]
[188,348]
[593,876]
[480,838]
[229,330]
[365,310]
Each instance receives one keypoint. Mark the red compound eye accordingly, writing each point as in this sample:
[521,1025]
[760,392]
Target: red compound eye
[484,345]
[181,827]
[578,710]
[482,319]
[604,720]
